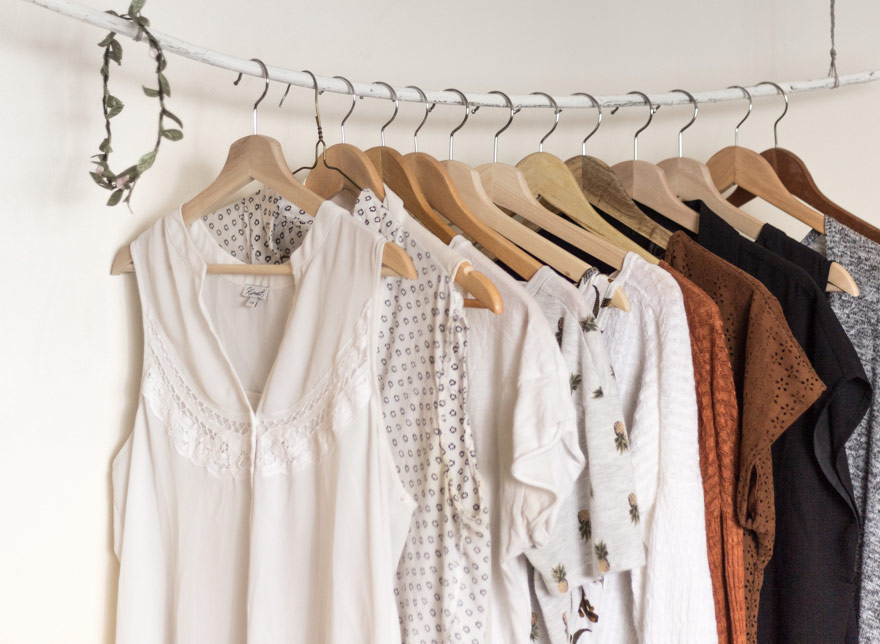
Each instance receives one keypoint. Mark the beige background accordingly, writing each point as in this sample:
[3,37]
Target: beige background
[70,337]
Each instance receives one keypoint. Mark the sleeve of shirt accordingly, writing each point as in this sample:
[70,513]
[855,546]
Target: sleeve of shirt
[546,456]
[614,512]
[676,593]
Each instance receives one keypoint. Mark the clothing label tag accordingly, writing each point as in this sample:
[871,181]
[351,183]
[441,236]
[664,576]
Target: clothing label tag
[254,294]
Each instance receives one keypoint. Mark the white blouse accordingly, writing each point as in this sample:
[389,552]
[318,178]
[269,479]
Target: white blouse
[256,499]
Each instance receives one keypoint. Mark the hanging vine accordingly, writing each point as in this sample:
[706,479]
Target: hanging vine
[123,182]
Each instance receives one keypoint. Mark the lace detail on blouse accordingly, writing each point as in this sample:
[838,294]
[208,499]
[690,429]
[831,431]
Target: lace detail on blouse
[286,441]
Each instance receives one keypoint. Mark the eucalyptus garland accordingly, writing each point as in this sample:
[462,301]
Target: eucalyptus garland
[123,182]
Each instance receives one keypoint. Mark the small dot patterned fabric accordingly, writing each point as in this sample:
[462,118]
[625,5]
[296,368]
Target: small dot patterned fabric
[442,579]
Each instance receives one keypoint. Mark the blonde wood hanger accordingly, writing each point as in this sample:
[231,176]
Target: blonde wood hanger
[549,178]
[735,165]
[485,293]
[389,168]
[793,174]
[341,161]
[470,187]
[260,158]
[602,188]
[690,179]
[647,183]
[507,188]
[444,197]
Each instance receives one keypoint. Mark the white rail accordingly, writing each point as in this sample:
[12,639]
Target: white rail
[328,84]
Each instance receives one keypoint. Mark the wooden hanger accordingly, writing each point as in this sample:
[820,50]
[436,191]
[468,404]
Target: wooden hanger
[507,188]
[389,169]
[485,293]
[690,179]
[735,165]
[549,178]
[470,187]
[260,158]
[603,189]
[795,176]
[341,161]
[647,184]
[444,197]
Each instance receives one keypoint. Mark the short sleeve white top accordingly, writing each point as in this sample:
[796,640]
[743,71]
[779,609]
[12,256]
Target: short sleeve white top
[526,437]
[256,498]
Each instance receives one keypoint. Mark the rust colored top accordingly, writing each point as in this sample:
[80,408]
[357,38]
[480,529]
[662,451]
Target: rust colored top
[775,383]
[719,455]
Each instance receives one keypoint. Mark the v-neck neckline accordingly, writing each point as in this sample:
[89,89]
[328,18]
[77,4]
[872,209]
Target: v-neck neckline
[327,215]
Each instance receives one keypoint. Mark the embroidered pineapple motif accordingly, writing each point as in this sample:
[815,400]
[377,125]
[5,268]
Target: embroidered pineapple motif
[598,393]
[575,381]
[584,526]
[559,576]
[620,439]
[533,634]
[633,509]
[559,326]
[589,324]
[602,555]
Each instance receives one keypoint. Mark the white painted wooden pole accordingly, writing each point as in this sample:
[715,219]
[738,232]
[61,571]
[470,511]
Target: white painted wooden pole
[180,47]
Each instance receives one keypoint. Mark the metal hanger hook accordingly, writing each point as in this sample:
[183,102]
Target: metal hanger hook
[693,117]
[784,111]
[265,89]
[556,112]
[652,111]
[513,112]
[350,109]
[317,110]
[428,108]
[749,113]
[593,100]
[467,113]
[396,108]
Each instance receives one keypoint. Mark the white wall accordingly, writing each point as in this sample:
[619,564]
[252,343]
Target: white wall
[70,342]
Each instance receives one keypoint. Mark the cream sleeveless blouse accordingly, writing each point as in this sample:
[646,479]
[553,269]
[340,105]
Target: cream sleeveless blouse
[256,499]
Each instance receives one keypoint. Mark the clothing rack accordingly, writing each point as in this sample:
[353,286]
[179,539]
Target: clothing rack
[183,48]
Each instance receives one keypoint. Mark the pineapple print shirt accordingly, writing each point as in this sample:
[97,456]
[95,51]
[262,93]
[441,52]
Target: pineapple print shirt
[669,599]
[598,529]
[442,578]
[256,499]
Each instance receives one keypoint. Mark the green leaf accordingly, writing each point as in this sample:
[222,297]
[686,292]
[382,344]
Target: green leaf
[172,135]
[136,6]
[101,181]
[163,83]
[105,145]
[114,198]
[107,39]
[115,52]
[143,21]
[161,61]
[114,106]
[149,91]
[146,161]
[172,117]
[111,12]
